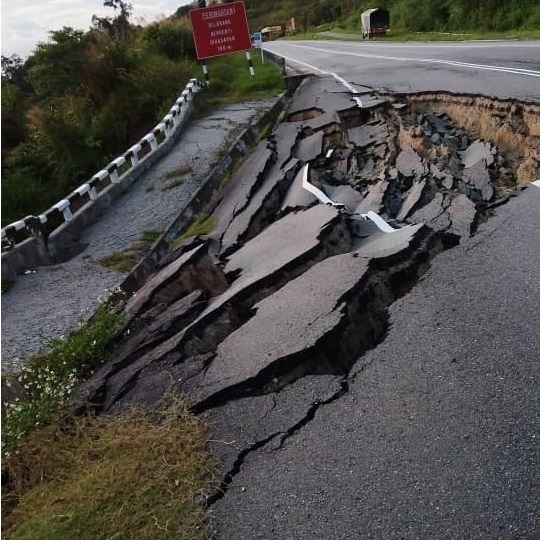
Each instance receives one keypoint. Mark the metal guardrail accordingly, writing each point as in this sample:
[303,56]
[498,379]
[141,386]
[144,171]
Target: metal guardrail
[65,211]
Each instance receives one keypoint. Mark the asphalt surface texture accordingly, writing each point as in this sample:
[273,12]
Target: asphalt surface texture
[433,434]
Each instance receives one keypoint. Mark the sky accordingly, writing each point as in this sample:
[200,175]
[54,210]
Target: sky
[25,23]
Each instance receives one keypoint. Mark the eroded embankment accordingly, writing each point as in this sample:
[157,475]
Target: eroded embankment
[512,126]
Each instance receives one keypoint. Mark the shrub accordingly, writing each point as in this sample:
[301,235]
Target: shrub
[49,378]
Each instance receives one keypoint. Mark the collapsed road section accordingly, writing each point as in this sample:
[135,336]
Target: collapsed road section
[333,217]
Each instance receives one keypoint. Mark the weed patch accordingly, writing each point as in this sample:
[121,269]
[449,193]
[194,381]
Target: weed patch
[202,225]
[227,177]
[174,178]
[128,476]
[230,80]
[124,261]
[49,378]
[150,236]
[121,262]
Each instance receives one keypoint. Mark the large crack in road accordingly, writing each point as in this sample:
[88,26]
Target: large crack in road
[281,301]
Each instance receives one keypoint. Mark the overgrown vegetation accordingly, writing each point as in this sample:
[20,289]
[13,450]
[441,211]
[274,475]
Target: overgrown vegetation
[79,101]
[406,16]
[140,474]
[128,476]
[82,98]
[49,378]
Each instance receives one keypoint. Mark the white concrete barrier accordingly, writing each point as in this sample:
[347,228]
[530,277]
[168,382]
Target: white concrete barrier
[131,160]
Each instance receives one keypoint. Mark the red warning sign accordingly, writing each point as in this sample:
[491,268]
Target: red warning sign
[220,29]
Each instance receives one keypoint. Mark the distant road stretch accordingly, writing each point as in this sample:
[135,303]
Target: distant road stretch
[501,69]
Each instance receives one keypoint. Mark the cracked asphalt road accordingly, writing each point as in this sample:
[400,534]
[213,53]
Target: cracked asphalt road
[436,435]
[264,326]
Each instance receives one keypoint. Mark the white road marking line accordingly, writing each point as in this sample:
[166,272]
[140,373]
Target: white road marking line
[339,79]
[514,71]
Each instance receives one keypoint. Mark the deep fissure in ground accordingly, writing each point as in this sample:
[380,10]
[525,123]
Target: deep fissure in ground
[412,163]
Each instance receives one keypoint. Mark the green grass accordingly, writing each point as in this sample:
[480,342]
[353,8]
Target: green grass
[202,225]
[230,79]
[150,236]
[227,177]
[49,378]
[352,34]
[132,476]
[124,261]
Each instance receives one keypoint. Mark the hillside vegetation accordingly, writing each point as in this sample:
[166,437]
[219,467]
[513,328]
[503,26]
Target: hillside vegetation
[82,98]
[405,15]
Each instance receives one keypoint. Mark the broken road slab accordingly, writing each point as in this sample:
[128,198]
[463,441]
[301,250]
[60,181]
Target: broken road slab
[320,93]
[302,327]
[438,433]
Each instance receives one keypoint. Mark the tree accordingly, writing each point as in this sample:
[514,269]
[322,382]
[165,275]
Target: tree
[118,26]
[13,119]
[58,66]
[15,70]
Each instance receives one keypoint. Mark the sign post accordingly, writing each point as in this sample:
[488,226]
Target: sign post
[258,43]
[221,29]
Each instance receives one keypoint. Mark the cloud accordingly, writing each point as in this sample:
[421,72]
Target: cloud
[23,26]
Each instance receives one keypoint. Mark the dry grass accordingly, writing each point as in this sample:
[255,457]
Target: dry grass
[182,170]
[114,477]
[175,178]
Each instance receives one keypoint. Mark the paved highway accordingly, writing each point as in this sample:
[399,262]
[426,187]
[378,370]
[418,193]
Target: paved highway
[502,69]
[434,433]
[437,435]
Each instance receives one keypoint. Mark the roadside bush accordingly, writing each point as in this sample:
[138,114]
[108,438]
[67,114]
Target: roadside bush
[172,39]
[48,378]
